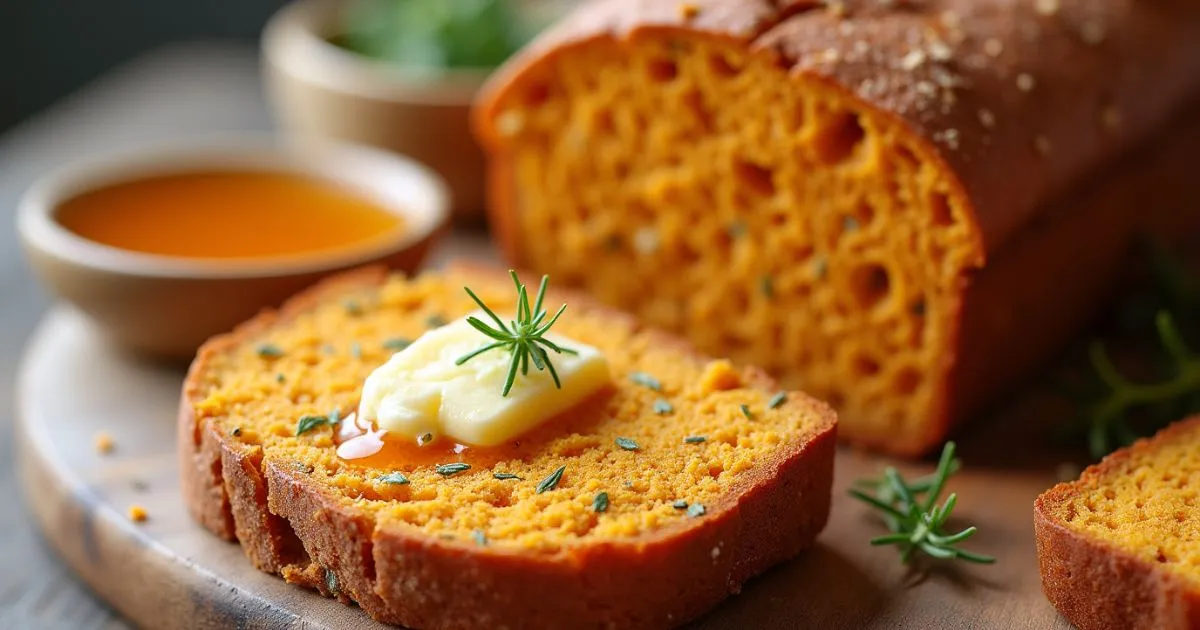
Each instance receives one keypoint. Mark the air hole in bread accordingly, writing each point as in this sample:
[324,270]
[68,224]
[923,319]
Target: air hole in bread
[755,177]
[939,206]
[870,284]
[865,365]
[838,137]
[662,70]
[722,66]
[907,380]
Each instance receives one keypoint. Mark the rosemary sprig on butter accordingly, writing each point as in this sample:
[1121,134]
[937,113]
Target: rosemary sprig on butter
[524,337]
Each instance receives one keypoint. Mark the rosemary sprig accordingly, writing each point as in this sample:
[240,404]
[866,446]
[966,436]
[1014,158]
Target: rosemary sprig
[524,337]
[917,522]
[1108,416]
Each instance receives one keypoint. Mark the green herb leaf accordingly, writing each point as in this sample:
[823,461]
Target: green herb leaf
[551,482]
[236,432]
[662,407]
[435,321]
[502,476]
[911,512]
[777,400]
[680,504]
[394,478]
[695,509]
[353,307]
[331,581]
[279,378]
[308,423]
[356,350]
[397,343]
[694,439]
[451,469]
[645,380]
[480,537]
[766,286]
[269,351]
[600,503]
[524,337]
[746,411]
[627,444]
[850,224]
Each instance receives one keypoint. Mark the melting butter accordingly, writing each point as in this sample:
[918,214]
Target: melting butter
[421,395]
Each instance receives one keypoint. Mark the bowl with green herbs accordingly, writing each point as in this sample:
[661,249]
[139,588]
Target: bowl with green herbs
[396,74]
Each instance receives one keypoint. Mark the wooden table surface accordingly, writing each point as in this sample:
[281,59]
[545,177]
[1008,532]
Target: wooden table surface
[178,91]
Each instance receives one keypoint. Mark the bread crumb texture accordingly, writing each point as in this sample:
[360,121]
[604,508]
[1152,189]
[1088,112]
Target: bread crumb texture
[320,358]
[1145,502]
[696,154]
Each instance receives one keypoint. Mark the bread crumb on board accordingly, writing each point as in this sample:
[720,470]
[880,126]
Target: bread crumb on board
[104,443]
[138,514]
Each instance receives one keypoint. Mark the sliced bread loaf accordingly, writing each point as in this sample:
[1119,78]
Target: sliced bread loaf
[717,476]
[1120,548]
[812,187]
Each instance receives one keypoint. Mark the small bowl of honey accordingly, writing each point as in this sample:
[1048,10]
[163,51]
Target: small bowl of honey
[165,247]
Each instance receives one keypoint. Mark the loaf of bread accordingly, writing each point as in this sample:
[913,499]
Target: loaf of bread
[1119,549]
[718,478]
[815,187]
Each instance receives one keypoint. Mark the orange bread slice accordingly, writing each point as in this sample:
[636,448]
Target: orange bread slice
[812,187]
[686,521]
[1120,548]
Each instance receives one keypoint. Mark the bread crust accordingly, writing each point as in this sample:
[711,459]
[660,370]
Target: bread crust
[1101,587]
[287,525]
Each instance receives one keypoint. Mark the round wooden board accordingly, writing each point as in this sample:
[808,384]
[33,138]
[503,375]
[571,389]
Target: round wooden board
[167,572]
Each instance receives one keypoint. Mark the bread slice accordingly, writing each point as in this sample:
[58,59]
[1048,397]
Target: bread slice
[1119,549]
[813,187]
[470,550]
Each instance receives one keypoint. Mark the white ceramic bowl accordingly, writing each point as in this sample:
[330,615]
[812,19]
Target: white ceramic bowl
[168,306]
[320,90]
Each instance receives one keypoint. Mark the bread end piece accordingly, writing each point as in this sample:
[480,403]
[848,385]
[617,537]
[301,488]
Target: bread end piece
[1100,584]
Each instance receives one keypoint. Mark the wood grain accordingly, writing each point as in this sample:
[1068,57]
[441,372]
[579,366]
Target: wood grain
[168,572]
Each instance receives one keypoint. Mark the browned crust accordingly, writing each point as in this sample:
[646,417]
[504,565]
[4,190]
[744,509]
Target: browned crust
[1098,586]
[402,576]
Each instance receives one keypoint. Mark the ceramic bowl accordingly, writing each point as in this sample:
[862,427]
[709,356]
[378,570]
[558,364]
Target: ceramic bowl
[319,90]
[167,306]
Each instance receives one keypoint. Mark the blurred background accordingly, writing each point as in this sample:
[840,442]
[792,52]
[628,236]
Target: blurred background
[54,46]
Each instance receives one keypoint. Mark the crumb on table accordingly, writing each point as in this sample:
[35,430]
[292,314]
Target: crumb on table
[137,513]
[104,443]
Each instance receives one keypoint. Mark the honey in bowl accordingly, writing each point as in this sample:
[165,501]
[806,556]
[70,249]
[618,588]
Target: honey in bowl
[227,215]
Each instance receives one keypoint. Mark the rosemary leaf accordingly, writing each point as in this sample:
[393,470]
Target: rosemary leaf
[627,444]
[502,476]
[397,343]
[308,423]
[600,503]
[694,439]
[662,407]
[746,411]
[269,351]
[777,400]
[394,478]
[645,380]
[480,537]
[446,470]
[680,504]
[695,509]
[550,482]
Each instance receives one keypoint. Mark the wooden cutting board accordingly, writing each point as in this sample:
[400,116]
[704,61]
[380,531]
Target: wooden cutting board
[167,572]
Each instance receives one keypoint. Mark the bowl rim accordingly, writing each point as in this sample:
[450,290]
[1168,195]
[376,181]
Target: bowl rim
[399,185]
[293,41]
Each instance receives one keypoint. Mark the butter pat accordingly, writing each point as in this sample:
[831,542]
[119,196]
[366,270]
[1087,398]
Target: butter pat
[421,392]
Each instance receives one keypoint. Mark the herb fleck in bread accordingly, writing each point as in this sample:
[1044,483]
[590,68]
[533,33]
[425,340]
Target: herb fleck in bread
[468,549]
[813,187]
[1120,548]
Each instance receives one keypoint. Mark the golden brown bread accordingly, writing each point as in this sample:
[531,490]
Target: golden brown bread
[1119,549]
[815,187]
[329,525]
